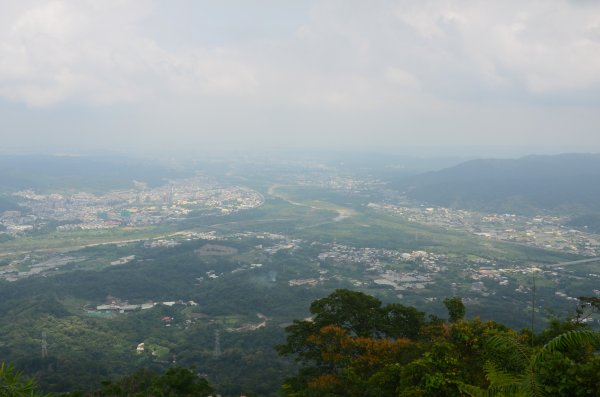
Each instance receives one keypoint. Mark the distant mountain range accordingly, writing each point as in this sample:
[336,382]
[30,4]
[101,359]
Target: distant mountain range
[566,183]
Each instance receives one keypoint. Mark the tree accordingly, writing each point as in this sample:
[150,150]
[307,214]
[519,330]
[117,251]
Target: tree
[358,313]
[402,321]
[355,312]
[450,354]
[180,381]
[475,357]
[351,365]
[346,329]
[176,381]
[456,308]
[527,382]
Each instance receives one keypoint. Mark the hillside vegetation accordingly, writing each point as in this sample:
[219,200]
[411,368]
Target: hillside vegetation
[563,183]
[353,345]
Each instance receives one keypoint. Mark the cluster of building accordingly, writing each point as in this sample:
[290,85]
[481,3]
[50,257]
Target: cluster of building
[285,245]
[496,275]
[507,276]
[311,282]
[140,206]
[352,184]
[548,232]
[119,306]
[379,265]
[249,327]
[45,263]
[417,279]
[371,256]
[27,267]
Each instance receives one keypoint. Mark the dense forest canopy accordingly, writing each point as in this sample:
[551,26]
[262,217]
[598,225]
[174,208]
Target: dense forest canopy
[353,345]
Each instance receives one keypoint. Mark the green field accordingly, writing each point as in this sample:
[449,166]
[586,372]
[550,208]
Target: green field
[79,239]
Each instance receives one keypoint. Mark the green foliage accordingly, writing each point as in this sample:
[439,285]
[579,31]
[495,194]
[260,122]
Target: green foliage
[472,357]
[528,381]
[427,364]
[175,382]
[84,348]
[559,183]
[354,311]
[359,314]
[14,384]
[455,307]
[402,321]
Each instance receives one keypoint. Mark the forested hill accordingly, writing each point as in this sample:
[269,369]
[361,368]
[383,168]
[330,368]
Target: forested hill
[567,183]
[354,345]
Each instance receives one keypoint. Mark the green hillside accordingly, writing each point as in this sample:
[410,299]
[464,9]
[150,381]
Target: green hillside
[562,183]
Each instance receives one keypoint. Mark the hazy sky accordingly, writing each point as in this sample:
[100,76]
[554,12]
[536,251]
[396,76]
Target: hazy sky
[152,75]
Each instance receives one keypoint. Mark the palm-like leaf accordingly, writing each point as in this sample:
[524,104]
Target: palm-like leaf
[498,377]
[568,341]
[13,384]
[508,344]
[526,383]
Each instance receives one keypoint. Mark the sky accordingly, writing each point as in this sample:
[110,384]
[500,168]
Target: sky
[149,76]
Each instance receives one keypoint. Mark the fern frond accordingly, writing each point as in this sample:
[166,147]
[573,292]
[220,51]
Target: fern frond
[569,341]
[498,377]
[573,339]
[531,387]
[503,383]
[501,342]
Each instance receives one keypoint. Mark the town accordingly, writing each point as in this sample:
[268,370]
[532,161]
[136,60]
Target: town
[137,207]
[544,231]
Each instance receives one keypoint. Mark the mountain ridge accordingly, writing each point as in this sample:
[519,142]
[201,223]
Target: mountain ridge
[565,183]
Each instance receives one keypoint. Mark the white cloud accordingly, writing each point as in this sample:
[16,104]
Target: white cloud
[544,47]
[343,56]
[386,68]
[401,77]
[94,52]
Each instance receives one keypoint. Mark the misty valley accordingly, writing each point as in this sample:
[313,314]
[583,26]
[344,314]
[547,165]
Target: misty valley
[206,265]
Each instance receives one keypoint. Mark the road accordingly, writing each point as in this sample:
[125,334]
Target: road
[575,262]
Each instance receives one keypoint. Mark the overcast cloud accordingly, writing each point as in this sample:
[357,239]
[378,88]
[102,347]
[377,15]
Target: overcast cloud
[143,75]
